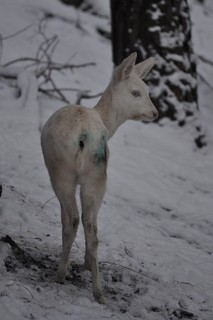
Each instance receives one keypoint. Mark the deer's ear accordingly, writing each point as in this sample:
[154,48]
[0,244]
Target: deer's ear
[142,68]
[123,71]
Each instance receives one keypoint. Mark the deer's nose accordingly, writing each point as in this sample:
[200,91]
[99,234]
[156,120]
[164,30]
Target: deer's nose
[155,114]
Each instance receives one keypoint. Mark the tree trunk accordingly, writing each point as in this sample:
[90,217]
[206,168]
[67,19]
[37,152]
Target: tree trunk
[161,29]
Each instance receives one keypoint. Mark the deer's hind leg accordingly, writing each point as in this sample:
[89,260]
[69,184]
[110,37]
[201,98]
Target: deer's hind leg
[64,186]
[92,192]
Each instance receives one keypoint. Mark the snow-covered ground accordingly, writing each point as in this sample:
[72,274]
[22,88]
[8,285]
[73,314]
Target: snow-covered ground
[156,222]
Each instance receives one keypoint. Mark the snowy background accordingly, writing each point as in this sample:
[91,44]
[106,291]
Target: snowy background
[156,221]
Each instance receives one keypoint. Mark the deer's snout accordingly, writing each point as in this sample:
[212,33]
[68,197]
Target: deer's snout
[155,114]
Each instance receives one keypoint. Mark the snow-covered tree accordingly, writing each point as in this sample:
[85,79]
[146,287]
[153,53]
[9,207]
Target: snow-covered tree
[161,29]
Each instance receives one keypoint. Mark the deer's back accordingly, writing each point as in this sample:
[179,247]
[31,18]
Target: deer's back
[76,138]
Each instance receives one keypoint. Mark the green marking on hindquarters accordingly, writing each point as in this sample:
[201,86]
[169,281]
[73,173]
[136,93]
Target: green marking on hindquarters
[101,151]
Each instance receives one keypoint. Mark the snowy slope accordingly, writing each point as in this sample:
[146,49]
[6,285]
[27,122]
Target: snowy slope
[156,222]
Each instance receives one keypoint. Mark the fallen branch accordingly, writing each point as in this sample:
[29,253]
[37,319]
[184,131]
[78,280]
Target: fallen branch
[11,284]
[127,268]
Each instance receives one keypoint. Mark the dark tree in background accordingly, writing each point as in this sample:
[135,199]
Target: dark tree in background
[161,29]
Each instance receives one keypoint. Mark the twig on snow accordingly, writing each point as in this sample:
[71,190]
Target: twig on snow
[11,284]
[127,268]
[43,205]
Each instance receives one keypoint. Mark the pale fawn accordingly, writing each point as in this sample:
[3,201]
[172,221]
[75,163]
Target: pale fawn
[74,144]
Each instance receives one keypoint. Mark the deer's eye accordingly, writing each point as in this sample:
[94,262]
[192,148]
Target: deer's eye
[136,93]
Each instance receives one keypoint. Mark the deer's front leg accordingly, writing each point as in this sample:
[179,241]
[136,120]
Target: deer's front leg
[92,193]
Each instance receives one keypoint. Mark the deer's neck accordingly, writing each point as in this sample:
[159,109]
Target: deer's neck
[108,112]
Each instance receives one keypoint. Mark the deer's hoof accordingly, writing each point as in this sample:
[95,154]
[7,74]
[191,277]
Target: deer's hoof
[99,298]
[86,266]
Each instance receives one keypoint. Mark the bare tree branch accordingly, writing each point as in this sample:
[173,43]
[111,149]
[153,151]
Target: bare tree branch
[205,60]
[16,33]
[53,65]
[24,59]
[83,95]
[50,94]
[42,65]
[65,89]
[205,81]
[58,91]
[1,46]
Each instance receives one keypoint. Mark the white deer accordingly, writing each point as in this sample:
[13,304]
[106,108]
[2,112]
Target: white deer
[74,144]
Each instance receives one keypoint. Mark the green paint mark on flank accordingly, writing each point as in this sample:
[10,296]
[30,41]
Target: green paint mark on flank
[101,151]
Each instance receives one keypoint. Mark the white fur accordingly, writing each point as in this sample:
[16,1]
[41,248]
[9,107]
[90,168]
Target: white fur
[74,144]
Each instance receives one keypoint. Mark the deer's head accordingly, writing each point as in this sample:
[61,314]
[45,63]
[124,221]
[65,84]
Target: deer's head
[130,94]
